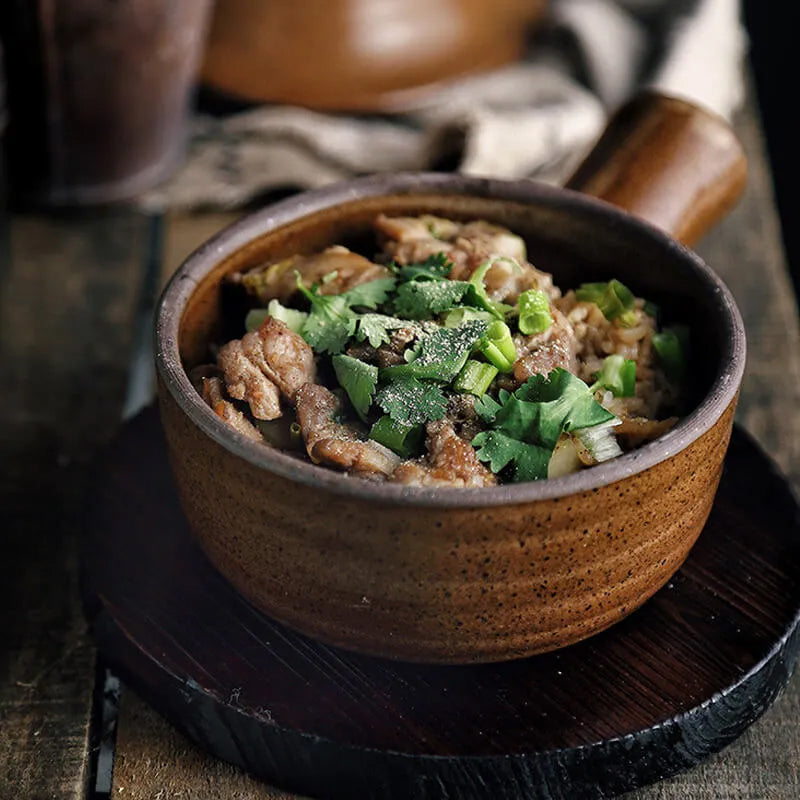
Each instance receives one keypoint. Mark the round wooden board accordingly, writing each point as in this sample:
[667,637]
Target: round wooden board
[657,693]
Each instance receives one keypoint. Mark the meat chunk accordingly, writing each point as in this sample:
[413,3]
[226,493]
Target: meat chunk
[226,411]
[461,413]
[279,280]
[412,240]
[633,432]
[388,354]
[335,444]
[541,353]
[450,462]
[265,363]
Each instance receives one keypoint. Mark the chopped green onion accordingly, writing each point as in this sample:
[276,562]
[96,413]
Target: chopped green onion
[498,310]
[614,299]
[672,346]
[458,316]
[652,309]
[405,440]
[475,377]
[497,346]
[534,312]
[599,441]
[618,374]
[293,318]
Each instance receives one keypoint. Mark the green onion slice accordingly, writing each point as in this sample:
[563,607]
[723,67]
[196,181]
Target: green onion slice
[613,298]
[672,348]
[475,377]
[534,312]
[405,440]
[497,346]
[618,375]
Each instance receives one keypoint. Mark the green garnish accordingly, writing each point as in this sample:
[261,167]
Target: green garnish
[652,309]
[534,312]
[411,402]
[479,297]
[458,316]
[497,346]
[426,294]
[293,318]
[526,425]
[332,320]
[405,440]
[613,298]
[440,355]
[434,267]
[375,328]
[618,375]
[425,299]
[672,348]
[475,377]
[358,380]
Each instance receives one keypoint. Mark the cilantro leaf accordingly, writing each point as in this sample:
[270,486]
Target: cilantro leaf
[565,403]
[375,328]
[411,402]
[499,450]
[358,380]
[332,321]
[526,425]
[370,294]
[434,267]
[426,299]
[441,354]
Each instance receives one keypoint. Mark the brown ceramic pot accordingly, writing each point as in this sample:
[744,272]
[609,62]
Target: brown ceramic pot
[465,575]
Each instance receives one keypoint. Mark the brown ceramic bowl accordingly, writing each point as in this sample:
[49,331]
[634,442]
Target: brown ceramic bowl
[451,575]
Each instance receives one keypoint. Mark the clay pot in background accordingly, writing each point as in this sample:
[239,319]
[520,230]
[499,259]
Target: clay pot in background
[358,54]
[98,94]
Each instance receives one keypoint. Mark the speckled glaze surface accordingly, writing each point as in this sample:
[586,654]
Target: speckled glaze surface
[451,575]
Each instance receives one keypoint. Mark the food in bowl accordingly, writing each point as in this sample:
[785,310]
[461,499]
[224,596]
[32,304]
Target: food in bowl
[446,360]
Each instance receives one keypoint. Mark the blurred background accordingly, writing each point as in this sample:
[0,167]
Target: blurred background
[196,104]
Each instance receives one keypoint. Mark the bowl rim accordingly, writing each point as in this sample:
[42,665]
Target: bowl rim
[198,264]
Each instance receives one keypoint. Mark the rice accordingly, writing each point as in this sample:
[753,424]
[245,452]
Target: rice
[598,338]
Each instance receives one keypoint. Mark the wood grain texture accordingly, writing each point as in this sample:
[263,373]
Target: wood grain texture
[746,250]
[67,298]
[667,161]
[656,693]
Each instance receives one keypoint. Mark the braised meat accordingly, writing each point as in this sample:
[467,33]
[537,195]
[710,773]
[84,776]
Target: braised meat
[226,411]
[264,364]
[541,353]
[450,462]
[334,443]
[341,268]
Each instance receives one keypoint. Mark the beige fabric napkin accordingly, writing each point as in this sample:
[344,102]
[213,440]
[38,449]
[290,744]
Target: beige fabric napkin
[532,119]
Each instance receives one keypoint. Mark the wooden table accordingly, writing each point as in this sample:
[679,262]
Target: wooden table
[76,296]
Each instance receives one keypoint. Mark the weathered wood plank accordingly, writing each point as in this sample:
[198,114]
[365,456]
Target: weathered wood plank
[746,250]
[67,300]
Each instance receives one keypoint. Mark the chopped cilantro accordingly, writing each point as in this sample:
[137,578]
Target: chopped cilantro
[409,401]
[434,267]
[332,321]
[358,380]
[426,299]
[499,450]
[440,355]
[375,328]
[526,425]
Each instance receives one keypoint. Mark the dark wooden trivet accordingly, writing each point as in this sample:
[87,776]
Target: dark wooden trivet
[657,693]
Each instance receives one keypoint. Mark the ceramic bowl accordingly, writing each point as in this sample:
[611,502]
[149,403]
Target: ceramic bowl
[451,575]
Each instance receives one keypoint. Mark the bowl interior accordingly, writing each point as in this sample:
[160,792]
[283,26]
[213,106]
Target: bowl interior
[572,247]
[574,237]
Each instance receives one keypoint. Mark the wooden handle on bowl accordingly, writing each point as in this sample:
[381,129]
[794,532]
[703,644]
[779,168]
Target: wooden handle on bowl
[668,161]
